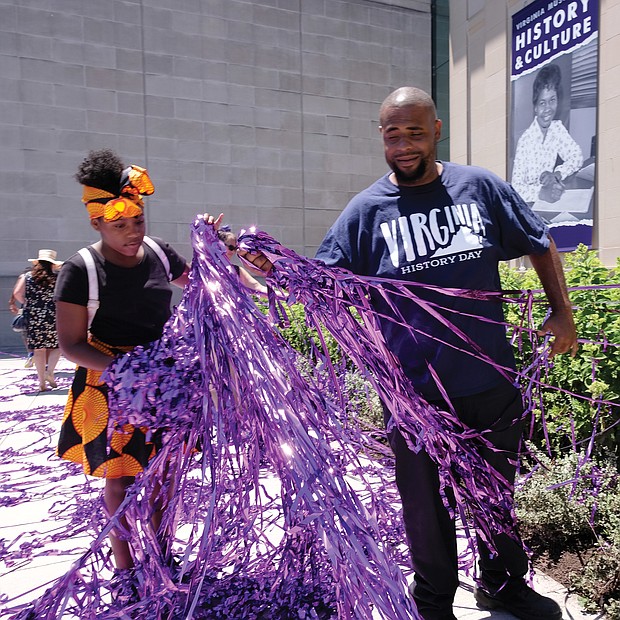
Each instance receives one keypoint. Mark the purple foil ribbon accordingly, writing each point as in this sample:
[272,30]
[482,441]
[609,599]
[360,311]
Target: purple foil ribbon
[278,502]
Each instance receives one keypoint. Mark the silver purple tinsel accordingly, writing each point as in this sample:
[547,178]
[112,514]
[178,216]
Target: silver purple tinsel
[279,503]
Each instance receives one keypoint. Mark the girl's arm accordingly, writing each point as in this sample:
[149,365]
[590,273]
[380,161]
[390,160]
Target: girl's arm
[72,327]
[183,279]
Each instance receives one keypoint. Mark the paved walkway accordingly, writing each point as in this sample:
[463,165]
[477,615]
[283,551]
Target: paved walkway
[33,447]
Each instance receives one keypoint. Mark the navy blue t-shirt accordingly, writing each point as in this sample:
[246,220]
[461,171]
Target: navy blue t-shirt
[449,233]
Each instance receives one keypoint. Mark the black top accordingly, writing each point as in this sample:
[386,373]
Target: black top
[134,302]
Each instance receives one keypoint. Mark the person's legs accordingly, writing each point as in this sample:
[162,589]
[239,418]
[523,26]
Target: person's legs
[53,355]
[162,493]
[502,574]
[114,494]
[29,352]
[499,413]
[430,532]
[39,364]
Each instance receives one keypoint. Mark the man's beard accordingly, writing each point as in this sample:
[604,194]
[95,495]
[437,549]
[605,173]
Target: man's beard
[407,178]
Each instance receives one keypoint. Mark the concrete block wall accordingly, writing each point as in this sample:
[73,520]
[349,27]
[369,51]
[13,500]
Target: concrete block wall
[265,110]
[480,97]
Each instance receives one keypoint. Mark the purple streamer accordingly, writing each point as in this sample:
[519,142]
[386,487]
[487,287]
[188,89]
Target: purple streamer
[280,504]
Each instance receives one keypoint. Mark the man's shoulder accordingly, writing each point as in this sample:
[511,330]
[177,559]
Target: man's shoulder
[376,191]
[469,172]
[379,187]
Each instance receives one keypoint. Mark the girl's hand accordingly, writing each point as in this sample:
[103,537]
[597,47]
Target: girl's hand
[214,221]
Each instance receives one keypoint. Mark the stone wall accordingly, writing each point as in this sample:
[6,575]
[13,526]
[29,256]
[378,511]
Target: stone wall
[265,110]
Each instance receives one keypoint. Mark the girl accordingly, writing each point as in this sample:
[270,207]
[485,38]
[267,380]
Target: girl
[133,275]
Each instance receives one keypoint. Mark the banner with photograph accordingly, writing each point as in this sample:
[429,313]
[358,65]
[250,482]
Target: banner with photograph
[552,138]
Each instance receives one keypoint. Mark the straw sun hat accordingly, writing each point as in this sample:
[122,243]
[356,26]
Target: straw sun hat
[48,255]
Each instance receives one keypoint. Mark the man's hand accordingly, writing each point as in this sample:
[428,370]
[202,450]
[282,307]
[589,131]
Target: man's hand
[259,263]
[560,324]
[562,327]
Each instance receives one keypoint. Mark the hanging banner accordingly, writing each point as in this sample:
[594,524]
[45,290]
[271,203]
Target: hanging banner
[552,138]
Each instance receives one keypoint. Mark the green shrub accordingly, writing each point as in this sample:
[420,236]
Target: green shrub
[599,582]
[553,512]
[364,401]
[573,503]
[303,337]
[593,372]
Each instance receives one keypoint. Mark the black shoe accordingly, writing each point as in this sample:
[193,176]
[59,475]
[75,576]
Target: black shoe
[434,614]
[520,600]
[124,587]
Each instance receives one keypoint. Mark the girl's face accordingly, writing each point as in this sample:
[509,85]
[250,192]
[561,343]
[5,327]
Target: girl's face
[546,107]
[122,238]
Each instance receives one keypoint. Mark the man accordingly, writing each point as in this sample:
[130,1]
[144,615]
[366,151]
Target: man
[448,225]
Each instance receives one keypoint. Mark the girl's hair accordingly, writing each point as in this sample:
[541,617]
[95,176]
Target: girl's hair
[43,274]
[549,77]
[101,169]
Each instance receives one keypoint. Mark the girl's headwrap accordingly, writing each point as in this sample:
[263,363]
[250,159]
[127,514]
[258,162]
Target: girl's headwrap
[134,184]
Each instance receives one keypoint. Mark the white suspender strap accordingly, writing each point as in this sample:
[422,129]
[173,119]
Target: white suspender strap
[93,284]
[161,254]
[93,278]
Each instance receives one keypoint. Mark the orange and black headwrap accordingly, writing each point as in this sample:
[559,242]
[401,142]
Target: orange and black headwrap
[135,183]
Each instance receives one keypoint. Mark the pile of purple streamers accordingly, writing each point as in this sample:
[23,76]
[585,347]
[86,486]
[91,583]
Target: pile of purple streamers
[272,510]
[278,502]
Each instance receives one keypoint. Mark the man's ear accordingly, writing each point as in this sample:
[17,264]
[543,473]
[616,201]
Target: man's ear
[94,222]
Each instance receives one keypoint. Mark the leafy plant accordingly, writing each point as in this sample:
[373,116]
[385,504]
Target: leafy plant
[554,508]
[572,503]
[593,373]
[599,582]
[303,337]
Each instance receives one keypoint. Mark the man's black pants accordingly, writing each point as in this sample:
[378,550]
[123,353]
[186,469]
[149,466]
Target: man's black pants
[430,531]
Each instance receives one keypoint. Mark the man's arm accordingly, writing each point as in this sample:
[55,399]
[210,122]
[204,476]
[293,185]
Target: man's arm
[560,323]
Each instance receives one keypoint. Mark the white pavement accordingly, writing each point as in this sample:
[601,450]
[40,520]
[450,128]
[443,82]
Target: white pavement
[26,447]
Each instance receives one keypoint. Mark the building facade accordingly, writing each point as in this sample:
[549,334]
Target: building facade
[480,87]
[265,110]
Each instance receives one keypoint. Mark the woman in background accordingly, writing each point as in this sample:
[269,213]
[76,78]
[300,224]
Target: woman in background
[229,239]
[15,310]
[36,292]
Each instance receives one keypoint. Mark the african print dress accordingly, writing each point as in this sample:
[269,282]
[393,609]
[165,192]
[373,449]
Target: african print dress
[84,430]
[134,306]
[40,314]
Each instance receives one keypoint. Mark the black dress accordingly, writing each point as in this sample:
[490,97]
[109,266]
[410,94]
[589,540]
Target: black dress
[40,313]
